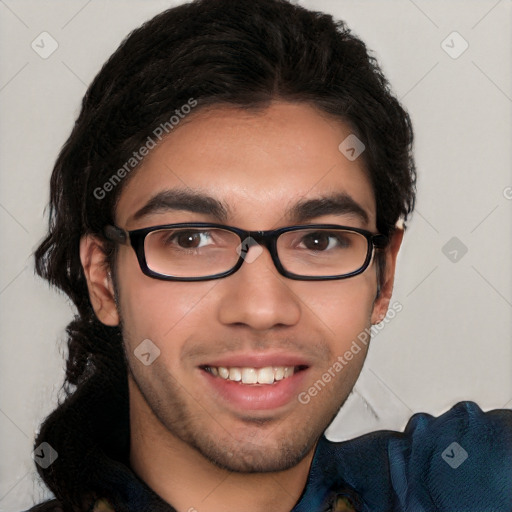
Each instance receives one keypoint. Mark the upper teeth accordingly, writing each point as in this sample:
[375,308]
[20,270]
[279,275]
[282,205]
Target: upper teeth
[266,375]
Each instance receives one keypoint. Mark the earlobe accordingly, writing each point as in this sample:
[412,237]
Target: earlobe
[99,280]
[381,304]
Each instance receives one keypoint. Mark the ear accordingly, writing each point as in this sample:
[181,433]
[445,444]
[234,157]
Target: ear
[381,304]
[99,281]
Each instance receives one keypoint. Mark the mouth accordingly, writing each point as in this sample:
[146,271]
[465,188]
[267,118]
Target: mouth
[262,387]
[268,375]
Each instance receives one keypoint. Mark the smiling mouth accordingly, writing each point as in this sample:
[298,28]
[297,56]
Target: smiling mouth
[248,375]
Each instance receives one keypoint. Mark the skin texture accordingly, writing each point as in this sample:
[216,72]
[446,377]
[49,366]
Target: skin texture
[191,446]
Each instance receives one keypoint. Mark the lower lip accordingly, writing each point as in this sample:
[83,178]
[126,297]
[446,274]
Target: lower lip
[256,396]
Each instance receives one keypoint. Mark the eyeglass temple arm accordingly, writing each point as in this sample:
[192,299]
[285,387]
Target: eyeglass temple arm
[380,241]
[115,234]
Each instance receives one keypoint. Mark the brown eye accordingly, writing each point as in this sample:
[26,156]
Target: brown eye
[182,239]
[324,241]
[187,240]
[316,241]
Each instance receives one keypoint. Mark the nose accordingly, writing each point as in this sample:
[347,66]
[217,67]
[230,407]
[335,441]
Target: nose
[257,296]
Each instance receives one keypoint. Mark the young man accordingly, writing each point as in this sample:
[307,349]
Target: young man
[226,219]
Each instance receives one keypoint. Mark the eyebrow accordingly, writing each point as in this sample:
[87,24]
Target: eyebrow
[182,200]
[335,204]
[197,202]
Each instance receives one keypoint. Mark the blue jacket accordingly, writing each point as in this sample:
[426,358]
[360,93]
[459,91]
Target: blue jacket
[458,462]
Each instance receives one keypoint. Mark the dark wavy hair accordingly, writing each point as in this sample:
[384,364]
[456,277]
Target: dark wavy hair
[219,52]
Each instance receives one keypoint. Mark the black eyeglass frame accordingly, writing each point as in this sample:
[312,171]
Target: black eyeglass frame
[268,239]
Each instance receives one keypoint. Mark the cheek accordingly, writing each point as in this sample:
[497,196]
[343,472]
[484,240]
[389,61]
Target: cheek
[158,310]
[343,306]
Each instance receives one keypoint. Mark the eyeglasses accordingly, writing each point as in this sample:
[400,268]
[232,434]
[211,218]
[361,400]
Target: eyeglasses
[203,251]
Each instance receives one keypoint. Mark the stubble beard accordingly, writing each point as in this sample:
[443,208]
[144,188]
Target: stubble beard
[258,446]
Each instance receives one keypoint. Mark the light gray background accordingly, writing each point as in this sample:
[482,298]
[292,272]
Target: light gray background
[450,342]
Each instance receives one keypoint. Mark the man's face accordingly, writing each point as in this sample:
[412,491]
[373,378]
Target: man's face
[259,167]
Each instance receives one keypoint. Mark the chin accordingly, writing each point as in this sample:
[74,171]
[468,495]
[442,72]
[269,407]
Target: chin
[253,459]
[257,453]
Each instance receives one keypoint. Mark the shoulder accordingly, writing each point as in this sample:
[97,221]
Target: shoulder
[479,433]
[460,460]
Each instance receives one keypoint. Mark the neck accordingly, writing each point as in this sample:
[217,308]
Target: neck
[189,482]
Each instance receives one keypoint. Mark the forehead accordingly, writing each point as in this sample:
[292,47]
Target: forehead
[257,165]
